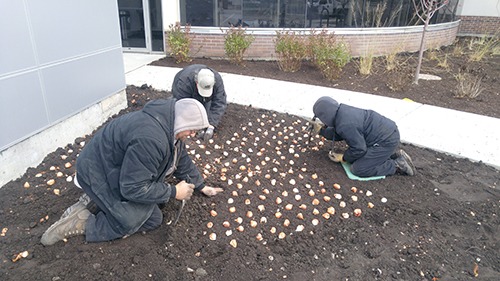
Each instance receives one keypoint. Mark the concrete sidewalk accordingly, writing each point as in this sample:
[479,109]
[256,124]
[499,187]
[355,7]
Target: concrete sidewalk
[457,133]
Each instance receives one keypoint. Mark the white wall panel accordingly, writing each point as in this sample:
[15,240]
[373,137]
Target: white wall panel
[16,48]
[22,108]
[482,8]
[73,85]
[57,57]
[67,29]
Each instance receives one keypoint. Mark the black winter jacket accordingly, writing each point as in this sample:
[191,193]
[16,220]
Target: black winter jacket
[125,163]
[360,128]
[184,86]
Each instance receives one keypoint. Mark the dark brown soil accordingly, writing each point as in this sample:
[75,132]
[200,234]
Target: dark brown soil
[441,224]
[439,93]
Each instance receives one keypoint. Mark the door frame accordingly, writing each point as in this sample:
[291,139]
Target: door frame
[148,32]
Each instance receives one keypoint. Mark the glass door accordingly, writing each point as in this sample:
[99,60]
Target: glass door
[156,26]
[141,25]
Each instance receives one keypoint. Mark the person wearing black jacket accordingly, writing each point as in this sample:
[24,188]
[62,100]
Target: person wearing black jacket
[204,84]
[371,137]
[123,168]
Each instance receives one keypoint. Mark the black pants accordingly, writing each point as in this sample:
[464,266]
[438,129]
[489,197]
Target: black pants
[376,161]
[103,227]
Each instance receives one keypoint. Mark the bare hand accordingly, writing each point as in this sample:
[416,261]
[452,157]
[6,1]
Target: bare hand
[211,191]
[184,190]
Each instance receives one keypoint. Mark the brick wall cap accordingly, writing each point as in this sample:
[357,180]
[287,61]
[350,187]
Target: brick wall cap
[338,31]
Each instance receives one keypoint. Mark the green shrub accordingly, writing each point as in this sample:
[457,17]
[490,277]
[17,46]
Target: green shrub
[236,42]
[328,54]
[291,49]
[179,40]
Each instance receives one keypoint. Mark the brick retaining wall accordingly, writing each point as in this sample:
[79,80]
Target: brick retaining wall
[477,26]
[209,42]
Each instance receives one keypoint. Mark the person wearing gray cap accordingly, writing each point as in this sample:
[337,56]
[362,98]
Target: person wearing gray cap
[371,137]
[123,168]
[204,84]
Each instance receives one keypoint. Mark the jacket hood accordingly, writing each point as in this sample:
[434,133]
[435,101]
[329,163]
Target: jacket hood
[163,111]
[189,115]
[325,109]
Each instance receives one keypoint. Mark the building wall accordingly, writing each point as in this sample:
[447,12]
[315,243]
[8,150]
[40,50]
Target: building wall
[482,8]
[57,59]
[478,19]
[208,42]
[478,25]
[171,13]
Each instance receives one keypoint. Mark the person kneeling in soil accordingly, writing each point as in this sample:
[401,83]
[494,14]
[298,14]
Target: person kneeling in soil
[371,137]
[122,171]
[204,84]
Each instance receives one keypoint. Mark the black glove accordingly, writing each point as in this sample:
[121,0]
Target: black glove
[314,128]
[209,133]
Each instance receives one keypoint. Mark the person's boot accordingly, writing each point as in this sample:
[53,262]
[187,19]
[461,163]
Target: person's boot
[77,206]
[399,153]
[403,163]
[72,224]
[83,202]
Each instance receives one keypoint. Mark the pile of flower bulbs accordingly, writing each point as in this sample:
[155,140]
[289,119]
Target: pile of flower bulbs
[261,168]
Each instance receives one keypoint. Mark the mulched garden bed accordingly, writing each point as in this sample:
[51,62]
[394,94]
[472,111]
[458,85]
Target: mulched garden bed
[441,224]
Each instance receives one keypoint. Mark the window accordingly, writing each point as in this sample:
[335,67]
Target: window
[300,13]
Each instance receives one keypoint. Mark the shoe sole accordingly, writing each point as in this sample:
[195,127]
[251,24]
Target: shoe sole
[404,154]
[410,162]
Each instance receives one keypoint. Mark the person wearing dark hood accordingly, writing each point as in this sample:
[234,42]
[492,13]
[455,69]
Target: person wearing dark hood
[123,168]
[204,84]
[371,137]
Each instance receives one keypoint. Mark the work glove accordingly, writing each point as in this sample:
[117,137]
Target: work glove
[184,190]
[336,157]
[211,191]
[314,128]
[209,133]
[200,134]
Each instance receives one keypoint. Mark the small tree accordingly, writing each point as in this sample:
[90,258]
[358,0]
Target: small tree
[179,41]
[429,7]
[236,42]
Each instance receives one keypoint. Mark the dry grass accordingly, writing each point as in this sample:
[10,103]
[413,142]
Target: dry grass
[469,83]
[432,54]
[483,46]
[443,63]
[365,63]
[496,50]
[391,61]
[458,48]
